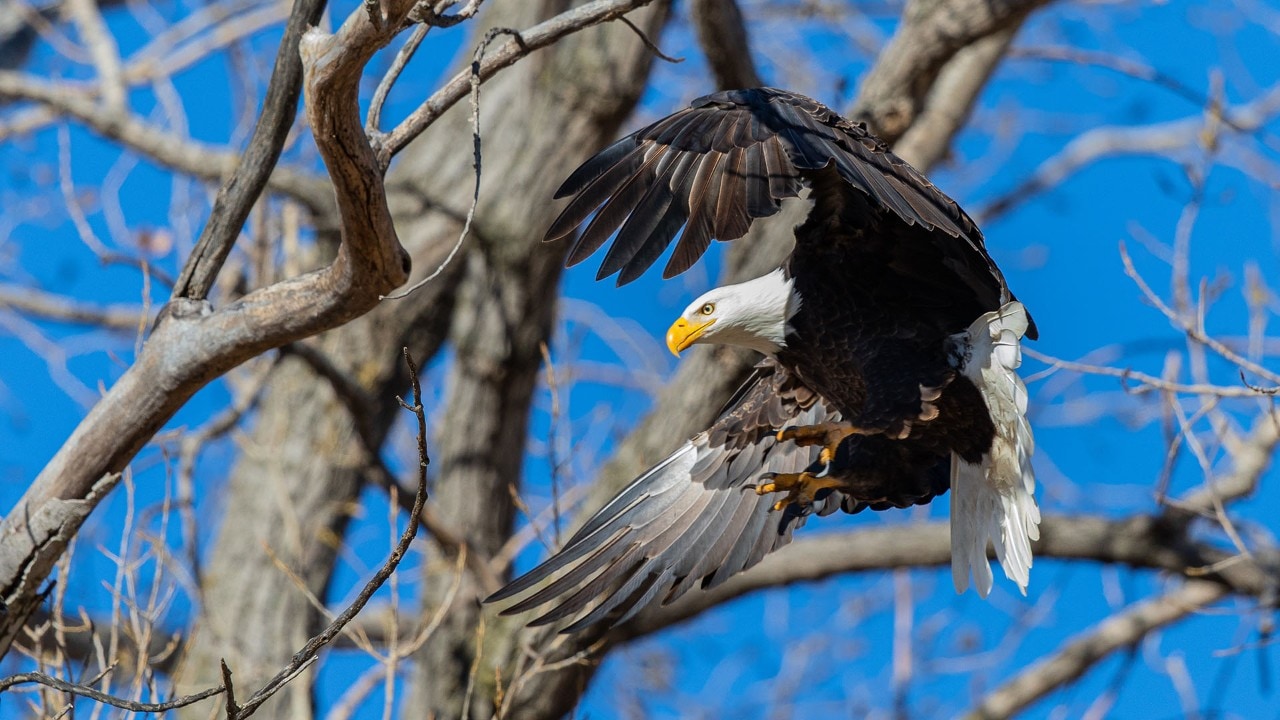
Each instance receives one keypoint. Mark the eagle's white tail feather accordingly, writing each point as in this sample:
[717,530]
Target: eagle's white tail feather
[995,499]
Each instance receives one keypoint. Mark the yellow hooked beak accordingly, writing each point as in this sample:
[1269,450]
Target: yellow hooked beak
[684,333]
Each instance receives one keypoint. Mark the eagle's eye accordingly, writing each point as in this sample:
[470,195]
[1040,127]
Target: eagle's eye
[708,308]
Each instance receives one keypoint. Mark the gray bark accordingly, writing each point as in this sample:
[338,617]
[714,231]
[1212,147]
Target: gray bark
[548,116]
[292,491]
[722,34]
[896,90]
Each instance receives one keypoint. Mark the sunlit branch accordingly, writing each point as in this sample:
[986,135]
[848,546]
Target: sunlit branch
[503,56]
[1158,139]
[1086,650]
[181,154]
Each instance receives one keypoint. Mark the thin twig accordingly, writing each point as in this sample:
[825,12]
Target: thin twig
[84,691]
[66,184]
[1138,71]
[475,670]
[232,708]
[428,15]
[358,402]
[355,693]
[1162,139]
[1190,328]
[1149,383]
[102,48]
[45,305]
[532,530]
[653,47]
[535,38]
[374,119]
[553,439]
[165,147]
[308,653]
[478,56]
[199,35]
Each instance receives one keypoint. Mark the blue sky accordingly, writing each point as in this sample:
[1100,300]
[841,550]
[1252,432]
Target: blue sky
[1099,450]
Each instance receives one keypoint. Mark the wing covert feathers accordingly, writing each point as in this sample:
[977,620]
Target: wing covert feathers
[994,500]
[723,162]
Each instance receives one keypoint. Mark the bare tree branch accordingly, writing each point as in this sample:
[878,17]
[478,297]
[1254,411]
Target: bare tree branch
[182,154]
[308,652]
[1141,541]
[1161,139]
[92,694]
[950,102]
[505,55]
[52,306]
[102,46]
[1080,654]
[723,36]
[1251,457]
[932,31]
[240,191]
[1145,383]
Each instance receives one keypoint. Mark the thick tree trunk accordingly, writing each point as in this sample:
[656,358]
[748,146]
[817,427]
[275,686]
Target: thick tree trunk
[540,122]
[294,487]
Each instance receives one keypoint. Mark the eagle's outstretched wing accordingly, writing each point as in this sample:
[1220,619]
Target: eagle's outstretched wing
[724,161]
[690,520]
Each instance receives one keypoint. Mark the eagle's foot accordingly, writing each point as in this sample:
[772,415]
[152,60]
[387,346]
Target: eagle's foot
[801,487]
[829,435]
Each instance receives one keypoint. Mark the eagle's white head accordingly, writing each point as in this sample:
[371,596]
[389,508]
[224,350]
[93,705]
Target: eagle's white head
[753,314]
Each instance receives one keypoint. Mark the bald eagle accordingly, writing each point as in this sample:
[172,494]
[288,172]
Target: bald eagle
[891,344]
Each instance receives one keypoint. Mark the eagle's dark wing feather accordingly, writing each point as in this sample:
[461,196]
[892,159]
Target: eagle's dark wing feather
[692,519]
[746,150]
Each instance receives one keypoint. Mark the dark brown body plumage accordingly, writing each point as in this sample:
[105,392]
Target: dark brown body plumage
[888,269]
[874,337]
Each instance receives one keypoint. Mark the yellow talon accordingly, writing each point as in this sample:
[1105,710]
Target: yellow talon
[801,488]
[829,435]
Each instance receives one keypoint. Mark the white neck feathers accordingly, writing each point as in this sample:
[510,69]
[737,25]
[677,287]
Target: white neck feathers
[753,314]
